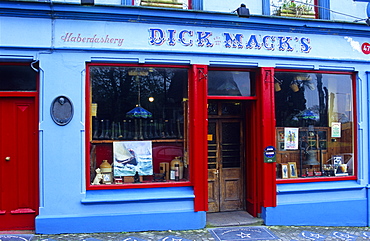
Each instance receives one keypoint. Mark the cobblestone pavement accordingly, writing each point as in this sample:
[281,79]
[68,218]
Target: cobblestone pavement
[283,233]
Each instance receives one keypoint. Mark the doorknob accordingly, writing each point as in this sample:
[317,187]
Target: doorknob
[215,172]
[7,158]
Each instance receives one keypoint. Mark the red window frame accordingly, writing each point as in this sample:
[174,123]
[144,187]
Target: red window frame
[88,124]
[355,146]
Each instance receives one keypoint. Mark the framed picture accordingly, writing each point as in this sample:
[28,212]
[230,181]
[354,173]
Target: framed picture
[281,146]
[292,169]
[284,170]
[291,138]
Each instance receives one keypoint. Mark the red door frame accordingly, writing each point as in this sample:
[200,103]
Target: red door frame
[35,172]
[266,177]
[262,175]
[198,129]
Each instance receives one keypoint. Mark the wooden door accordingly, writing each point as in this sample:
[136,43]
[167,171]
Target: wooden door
[225,155]
[18,163]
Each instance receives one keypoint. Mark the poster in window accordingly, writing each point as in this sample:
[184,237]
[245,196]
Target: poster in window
[131,157]
[291,138]
[336,129]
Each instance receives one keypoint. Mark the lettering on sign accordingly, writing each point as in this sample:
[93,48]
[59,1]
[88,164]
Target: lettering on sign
[158,37]
[79,38]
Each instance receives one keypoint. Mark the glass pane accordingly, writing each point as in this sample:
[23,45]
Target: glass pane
[138,124]
[17,78]
[289,8]
[230,83]
[232,108]
[230,144]
[314,117]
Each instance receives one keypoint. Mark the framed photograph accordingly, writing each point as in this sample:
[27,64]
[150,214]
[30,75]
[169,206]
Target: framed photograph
[292,170]
[291,138]
[284,170]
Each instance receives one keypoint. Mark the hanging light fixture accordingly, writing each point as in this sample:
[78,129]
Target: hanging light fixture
[138,112]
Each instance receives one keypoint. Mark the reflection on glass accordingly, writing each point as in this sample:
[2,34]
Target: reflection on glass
[230,83]
[131,104]
[17,78]
[320,106]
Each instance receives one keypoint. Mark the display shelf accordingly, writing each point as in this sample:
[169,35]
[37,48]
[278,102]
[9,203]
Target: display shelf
[156,141]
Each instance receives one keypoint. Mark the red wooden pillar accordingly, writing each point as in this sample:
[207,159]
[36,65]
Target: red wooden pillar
[197,140]
[266,110]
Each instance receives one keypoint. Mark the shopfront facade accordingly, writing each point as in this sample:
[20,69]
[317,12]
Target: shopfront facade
[149,118]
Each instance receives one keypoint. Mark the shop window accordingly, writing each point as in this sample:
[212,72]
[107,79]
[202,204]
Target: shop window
[315,125]
[17,78]
[182,4]
[138,121]
[230,83]
[291,8]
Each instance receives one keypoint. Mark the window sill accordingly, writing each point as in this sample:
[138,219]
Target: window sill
[315,179]
[134,195]
[139,185]
[327,186]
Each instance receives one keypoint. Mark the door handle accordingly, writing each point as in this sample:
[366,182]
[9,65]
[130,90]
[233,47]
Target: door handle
[7,158]
[215,172]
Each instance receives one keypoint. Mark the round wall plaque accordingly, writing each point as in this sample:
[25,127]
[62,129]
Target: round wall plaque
[61,110]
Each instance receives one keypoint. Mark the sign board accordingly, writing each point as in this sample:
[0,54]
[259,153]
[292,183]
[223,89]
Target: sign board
[269,154]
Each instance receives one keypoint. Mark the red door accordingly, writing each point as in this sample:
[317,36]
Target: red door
[18,163]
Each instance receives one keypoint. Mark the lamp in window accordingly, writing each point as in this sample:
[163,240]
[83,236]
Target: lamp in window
[294,86]
[277,84]
[138,113]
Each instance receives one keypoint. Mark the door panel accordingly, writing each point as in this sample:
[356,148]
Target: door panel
[18,163]
[213,179]
[231,185]
[225,185]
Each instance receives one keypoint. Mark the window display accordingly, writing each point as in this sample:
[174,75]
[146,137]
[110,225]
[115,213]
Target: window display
[138,119]
[315,125]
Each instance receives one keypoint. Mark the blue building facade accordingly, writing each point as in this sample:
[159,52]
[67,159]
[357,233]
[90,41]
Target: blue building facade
[76,52]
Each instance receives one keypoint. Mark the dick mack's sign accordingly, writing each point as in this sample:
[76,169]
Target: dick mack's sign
[172,37]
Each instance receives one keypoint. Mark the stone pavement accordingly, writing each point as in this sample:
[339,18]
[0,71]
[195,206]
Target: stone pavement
[228,226]
[279,233]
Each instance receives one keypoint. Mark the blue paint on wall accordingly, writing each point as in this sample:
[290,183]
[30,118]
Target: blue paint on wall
[320,204]
[111,222]
[66,206]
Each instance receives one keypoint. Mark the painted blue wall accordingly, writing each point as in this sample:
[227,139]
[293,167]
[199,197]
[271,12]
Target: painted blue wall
[319,204]
[66,206]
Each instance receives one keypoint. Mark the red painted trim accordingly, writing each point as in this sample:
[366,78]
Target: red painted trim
[355,145]
[313,71]
[198,135]
[140,185]
[87,135]
[18,94]
[355,132]
[35,96]
[317,179]
[316,9]
[210,97]
[190,5]
[267,175]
